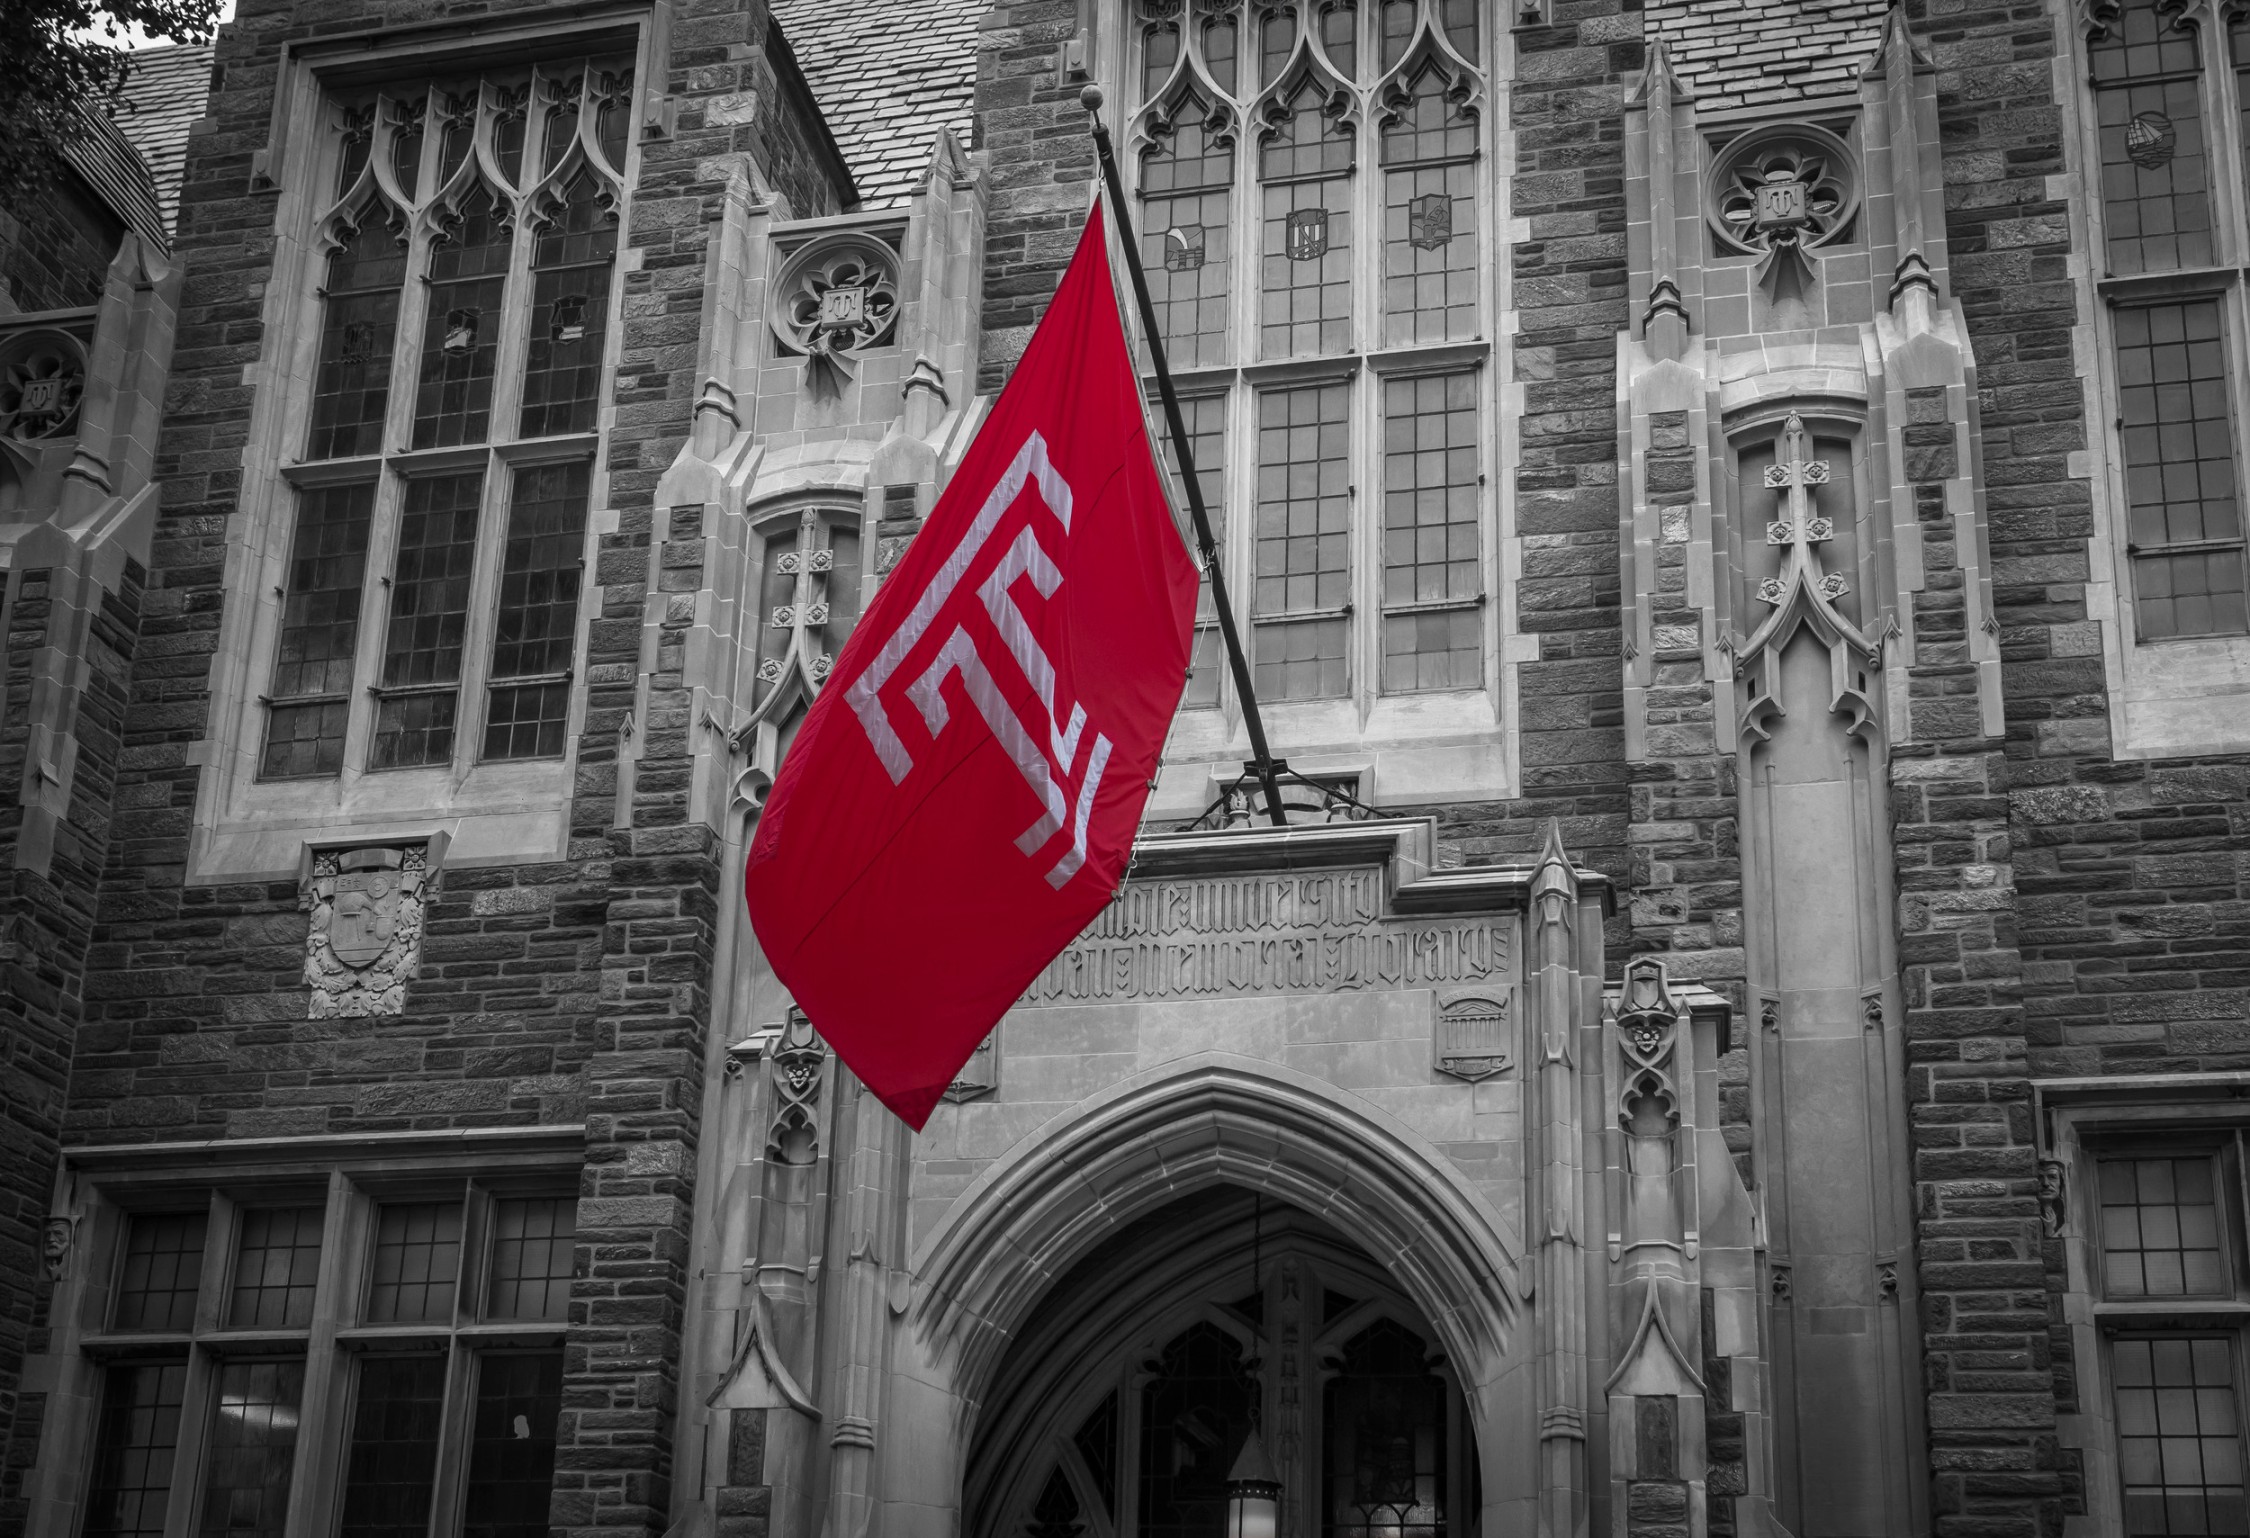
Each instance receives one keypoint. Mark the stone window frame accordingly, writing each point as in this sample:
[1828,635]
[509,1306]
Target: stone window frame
[510,810]
[348,1178]
[2175,696]
[1114,1352]
[1465,734]
[2081,1121]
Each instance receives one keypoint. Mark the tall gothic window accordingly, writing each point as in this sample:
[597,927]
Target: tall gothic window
[430,611]
[1312,219]
[2168,104]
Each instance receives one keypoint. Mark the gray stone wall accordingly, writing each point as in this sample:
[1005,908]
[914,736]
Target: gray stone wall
[46,929]
[548,993]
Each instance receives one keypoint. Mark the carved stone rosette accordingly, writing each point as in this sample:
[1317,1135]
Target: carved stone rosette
[365,939]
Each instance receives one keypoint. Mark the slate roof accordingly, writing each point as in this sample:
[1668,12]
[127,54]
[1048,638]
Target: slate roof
[1732,53]
[119,177]
[887,76]
[164,95]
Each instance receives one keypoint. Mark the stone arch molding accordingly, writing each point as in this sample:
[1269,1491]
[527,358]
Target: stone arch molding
[1214,1119]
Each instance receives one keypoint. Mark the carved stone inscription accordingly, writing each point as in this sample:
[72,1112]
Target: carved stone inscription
[1303,932]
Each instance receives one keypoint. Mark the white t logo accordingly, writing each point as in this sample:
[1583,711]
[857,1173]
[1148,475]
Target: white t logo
[1025,558]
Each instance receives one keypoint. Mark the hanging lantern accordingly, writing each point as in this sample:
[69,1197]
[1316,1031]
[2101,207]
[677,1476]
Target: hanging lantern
[1253,1493]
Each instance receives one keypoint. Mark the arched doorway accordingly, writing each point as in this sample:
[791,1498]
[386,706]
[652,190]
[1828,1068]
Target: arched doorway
[1119,1408]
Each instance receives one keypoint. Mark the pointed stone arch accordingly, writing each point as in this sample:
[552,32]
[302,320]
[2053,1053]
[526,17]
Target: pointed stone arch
[1209,1120]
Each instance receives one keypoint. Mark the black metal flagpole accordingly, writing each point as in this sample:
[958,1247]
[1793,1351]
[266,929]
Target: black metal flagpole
[1266,766]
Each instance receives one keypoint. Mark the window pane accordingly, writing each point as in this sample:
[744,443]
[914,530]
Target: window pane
[2160,1228]
[2176,424]
[1185,242]
[1301,572]
[534,1244]
[512,1456]
[1431,551]
[417,1258]
[1160,50]
[1206,418]
[312,675]
[1339,35]
[1429,220]
[1195,1416]
[276,1268]
[163,1263]
[569,313]
[1305,259]
[461,335]
[1384,1469]
[2179,1445]
[394,1446]
[437,548]
[2198,594]
[253,1445]
[538,621]
[359,325]
[140,1425]
[2155,174]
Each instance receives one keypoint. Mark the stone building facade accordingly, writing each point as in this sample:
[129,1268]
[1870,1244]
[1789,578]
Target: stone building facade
[1736,512]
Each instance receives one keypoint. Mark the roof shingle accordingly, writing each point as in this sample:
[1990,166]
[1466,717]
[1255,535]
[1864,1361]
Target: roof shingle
[164,95]
[1732,53]
[887,77]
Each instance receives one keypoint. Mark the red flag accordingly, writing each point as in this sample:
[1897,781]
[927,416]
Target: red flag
[962,798]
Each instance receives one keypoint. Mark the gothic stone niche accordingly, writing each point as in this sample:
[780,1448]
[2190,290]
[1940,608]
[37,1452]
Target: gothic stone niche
[42,376]
[1472,1033]
[366,935]
[834,299]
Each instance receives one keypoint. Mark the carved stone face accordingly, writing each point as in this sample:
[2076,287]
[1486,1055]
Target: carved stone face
[54,1244]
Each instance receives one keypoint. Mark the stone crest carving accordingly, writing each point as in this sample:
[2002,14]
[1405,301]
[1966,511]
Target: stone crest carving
[1788,185]
[42,376]
[365,939]
[980,1075]
[835,298]
[1472,1033]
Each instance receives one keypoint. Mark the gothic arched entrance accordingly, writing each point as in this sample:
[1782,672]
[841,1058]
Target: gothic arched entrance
[1120,1407]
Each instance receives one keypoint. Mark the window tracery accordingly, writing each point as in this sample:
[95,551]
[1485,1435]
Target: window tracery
[470,252]
[1323,207]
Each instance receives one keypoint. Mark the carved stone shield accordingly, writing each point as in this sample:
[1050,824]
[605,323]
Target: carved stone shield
[365,916]
[980,1075]
[1472,1033]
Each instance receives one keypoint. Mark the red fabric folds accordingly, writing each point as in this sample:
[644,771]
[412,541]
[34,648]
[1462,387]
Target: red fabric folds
[962,797]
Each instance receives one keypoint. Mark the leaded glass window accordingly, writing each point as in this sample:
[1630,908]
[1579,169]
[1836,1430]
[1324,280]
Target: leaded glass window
[471,251]
[1310,178]
[437,1327]
[1433,577]
[1385,1420]
[2167,131]
[1301,602]
[253,1446]
[133,1447]
[2179,1434]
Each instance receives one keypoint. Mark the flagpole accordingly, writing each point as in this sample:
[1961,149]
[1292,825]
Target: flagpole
[1267,767]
